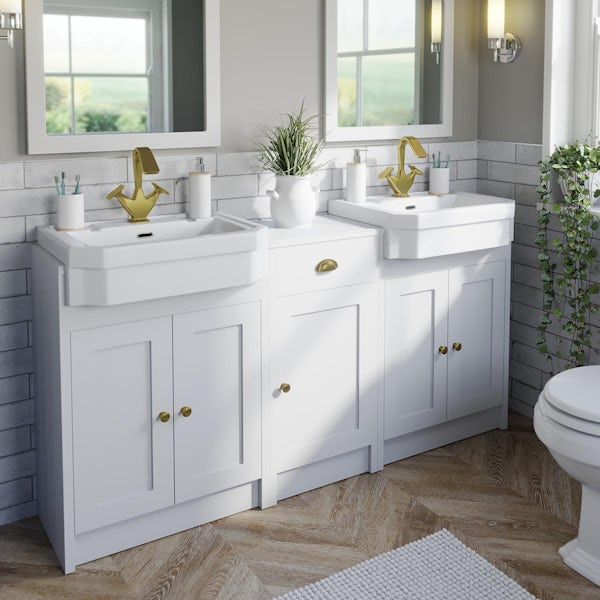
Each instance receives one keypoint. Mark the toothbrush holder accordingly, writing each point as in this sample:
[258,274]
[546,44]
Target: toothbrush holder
[69,212]
[439,181]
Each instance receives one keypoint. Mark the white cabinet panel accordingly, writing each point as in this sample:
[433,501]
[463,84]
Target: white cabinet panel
[415,371]
[122,452]
[476,322]
[217,357]
[324,347]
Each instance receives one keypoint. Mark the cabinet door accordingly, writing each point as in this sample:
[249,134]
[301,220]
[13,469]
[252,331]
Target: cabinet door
[217,370]
[415,371]
[476,322]
[122,453]
[324,346]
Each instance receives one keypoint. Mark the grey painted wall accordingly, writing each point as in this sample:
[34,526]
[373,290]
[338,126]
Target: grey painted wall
[511,96]
[271,58]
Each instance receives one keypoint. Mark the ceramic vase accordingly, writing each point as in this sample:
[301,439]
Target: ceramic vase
[293,201]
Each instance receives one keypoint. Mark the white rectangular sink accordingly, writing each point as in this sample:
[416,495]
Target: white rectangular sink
[114,262]
[422,226]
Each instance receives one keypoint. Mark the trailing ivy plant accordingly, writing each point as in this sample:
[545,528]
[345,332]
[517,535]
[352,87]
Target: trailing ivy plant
[567,256]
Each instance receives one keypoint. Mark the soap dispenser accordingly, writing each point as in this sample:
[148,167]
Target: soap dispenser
[356,179]
[199,192]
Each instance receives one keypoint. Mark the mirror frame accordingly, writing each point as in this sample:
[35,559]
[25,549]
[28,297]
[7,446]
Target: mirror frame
[334,133]
[38,142]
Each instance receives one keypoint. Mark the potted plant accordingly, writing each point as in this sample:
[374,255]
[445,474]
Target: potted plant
[290,151]
[566,252]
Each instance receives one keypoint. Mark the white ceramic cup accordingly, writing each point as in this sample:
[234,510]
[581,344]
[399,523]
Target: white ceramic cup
[70,212]
[439,181]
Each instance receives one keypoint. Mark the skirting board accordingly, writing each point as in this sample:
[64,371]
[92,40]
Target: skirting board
[324,472]
[443,434]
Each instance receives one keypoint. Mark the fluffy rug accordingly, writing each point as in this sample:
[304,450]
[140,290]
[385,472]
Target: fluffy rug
[436,567]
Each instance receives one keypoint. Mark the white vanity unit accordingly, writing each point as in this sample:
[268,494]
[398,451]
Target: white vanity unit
[213,367]
[148,412]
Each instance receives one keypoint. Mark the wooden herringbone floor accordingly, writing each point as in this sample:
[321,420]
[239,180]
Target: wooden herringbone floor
[500,493]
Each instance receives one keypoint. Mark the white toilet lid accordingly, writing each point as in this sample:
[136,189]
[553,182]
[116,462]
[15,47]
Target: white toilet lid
[576,392]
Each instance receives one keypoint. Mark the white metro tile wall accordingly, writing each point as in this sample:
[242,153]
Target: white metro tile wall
[27,200]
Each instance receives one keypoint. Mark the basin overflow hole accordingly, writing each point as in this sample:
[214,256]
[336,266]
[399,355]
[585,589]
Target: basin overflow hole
[145,235]
[411,207]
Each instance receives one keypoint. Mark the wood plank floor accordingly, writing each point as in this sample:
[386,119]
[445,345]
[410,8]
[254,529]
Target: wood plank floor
[500,493]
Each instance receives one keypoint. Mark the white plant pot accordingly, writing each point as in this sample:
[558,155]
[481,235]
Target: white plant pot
[293,202]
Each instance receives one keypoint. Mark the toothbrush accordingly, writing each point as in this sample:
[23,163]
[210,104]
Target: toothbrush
[447,161]
[77,179]
[56,183]
[62,183]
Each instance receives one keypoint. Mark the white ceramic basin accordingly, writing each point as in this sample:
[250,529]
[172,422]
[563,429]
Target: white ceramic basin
[114,262]
[422,226]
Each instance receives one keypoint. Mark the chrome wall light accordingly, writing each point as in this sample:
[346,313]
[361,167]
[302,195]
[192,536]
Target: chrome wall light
[11,19]
[436,29]
[505,45]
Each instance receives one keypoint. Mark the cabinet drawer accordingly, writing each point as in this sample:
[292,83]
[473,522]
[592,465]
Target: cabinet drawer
[294,269]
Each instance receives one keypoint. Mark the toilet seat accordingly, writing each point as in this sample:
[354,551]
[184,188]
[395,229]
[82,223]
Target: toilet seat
[573,399]
[567,420]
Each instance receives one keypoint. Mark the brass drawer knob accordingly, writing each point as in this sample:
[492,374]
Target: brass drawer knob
[326,265]
[457,346]
[164,416]
[285,387]
[443,349]
[186,411]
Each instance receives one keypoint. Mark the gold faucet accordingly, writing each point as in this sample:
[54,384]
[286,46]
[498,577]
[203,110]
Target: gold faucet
[139,206]
[402,181]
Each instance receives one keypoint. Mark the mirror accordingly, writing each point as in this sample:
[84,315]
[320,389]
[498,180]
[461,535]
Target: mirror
[388,69]
[112,75]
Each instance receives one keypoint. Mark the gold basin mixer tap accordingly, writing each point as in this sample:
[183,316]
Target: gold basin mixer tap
[138,207]
[402,181]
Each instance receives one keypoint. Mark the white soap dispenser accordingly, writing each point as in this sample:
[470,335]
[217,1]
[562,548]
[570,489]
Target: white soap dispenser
[199,192]
[356,179]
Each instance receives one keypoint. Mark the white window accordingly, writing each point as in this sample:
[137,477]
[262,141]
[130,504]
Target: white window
[101,74]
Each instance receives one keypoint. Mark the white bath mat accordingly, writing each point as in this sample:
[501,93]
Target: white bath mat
[437,567]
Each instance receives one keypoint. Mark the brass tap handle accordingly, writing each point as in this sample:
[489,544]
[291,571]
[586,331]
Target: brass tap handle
[186,411]
[285,387]
[164,416]
[326,265]
[457,346]
[443,349]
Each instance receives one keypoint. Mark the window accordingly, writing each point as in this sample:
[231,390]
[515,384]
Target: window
[383,79]
[377,58]
[99,67]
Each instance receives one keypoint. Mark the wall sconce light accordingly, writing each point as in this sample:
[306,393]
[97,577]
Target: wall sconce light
[10,19]
[505,45]
[436,29]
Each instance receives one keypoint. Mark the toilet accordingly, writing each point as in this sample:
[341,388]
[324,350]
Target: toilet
[567,420]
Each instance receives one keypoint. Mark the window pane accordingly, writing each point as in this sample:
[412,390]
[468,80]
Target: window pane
[58,105]
[56,44]
[350,25]
[108,45]
[392,24]
[347,92]
[111,104]
[389,90]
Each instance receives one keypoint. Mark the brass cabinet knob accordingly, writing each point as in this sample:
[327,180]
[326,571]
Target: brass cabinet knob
[186,411]
[443,349]
[164,416]
[326,265]
[457,346]
[285,387]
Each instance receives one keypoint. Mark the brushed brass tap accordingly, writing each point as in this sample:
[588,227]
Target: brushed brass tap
[402,181]
[138,207]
